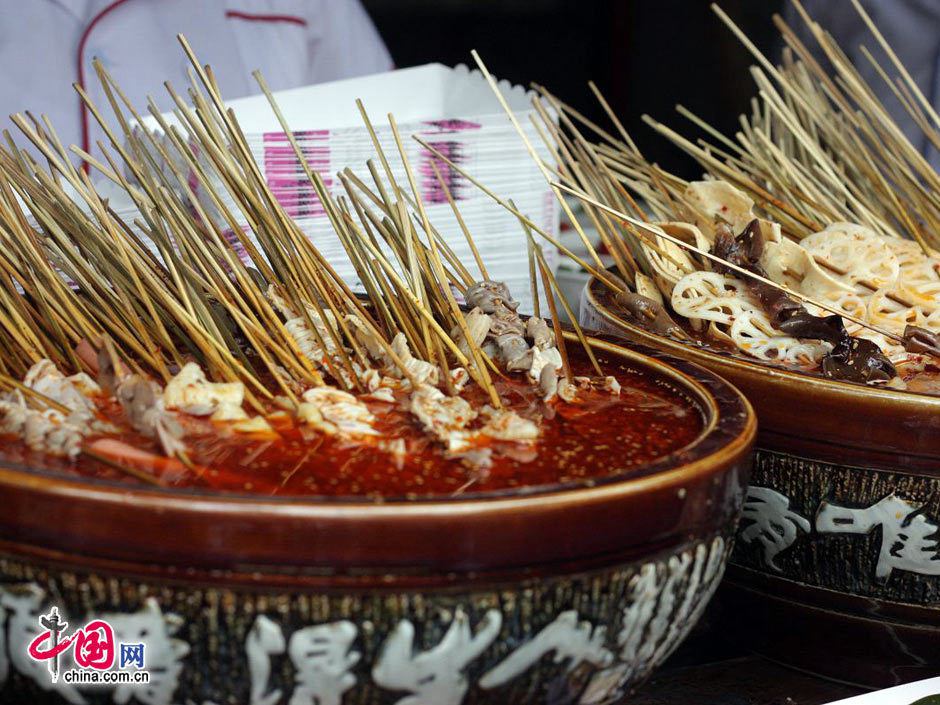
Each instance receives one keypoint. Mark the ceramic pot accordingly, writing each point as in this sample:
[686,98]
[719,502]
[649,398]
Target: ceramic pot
[836,568]
[557,594]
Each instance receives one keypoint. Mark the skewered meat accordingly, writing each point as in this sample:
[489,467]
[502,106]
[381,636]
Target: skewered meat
[534,360]
[50,430]
[142,403]
[716,202]
[506,330]
[443,416]
[74,391]
[459,377]
[567,391]
[366,337]
[379,386]
[478,325]
[650,314]
[307,339]
[47,431]
[548,383]
[537,330]
[383,394]
[611,385]
[447,418]
[490,296]
[336,412]
[505,425]
[512,350]
[190,392]
[506,322]
[423,372]
[494,299]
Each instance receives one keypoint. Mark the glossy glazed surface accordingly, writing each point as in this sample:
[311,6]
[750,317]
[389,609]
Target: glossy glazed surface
[689,493]
[807,414]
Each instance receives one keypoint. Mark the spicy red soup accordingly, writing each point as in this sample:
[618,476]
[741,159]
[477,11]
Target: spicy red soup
[599,435]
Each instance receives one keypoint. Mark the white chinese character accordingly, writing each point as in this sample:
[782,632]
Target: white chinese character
[578,642]
[773,524]
[323,661]
[663,602]
[22,604]
[264,639]
[434,677]
[909,541]
[164,654]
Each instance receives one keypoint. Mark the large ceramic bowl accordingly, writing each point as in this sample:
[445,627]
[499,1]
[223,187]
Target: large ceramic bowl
[559,594]
[836,569]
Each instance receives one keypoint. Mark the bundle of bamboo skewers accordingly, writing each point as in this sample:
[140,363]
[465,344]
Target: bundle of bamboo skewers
[820,162]
[86,294]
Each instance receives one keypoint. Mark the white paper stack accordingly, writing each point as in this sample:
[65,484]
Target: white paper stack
[452,109]
[925,692]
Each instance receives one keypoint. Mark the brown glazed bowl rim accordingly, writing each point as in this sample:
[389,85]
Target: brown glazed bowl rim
[316,543]
[845,390]
[730,424]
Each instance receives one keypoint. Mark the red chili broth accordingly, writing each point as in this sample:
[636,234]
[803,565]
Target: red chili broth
[601,435]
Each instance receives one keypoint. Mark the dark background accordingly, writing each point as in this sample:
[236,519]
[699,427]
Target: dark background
[645,55]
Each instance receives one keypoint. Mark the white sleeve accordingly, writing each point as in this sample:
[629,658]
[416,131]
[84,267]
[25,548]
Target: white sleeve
[344,41]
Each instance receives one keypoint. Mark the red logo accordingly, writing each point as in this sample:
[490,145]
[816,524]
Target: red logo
[93,644]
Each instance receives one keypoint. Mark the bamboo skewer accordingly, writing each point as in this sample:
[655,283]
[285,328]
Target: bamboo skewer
[534,154]
[175,285]
[556,322]
[460,221]
[600,273]
[553,291]
[739,270]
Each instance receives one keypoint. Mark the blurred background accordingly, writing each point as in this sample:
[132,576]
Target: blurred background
[644,54]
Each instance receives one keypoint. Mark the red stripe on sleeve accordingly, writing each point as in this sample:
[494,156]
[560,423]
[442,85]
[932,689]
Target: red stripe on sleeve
[252,17]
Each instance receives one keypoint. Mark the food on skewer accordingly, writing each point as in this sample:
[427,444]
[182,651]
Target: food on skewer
[195,367]
[791,251]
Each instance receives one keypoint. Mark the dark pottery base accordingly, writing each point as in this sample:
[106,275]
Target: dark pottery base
[582,638]
[837,570]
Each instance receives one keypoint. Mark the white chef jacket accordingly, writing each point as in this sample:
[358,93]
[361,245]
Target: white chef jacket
[47,45]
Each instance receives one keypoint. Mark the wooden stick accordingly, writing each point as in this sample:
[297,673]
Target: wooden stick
[534,154]
[460,221]
[740,270]
[547,273]
[600,273]
[443,284]
[556,322]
